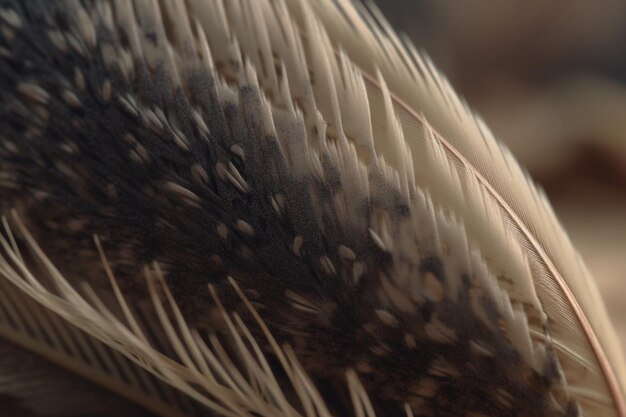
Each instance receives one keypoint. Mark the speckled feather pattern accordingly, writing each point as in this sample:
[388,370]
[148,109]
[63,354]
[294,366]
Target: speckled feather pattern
[207,169]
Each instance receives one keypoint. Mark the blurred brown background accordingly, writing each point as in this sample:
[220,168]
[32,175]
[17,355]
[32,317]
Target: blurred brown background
[549,78]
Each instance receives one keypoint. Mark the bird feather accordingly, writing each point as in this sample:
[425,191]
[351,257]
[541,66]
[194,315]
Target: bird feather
[303,152]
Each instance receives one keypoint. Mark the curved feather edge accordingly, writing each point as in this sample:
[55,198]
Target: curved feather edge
[562,283]
[201,370]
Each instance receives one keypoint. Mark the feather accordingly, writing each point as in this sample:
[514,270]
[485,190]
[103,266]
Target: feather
[368,247]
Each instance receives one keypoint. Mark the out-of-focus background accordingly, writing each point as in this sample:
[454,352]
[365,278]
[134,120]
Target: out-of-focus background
[549,78]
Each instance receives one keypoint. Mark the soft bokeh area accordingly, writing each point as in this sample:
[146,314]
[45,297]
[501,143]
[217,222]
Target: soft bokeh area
[549,78]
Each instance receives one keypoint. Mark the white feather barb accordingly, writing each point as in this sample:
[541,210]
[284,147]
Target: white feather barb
[203,372]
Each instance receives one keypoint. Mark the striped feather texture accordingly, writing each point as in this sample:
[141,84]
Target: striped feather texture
[274,208]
